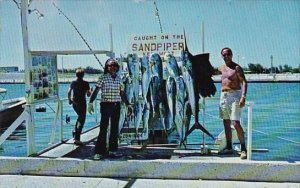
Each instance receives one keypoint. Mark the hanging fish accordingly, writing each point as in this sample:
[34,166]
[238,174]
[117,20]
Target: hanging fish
[190,90]
[172,66]
[123,112]
[134,72]
[155,94]
[146,114]
[171,97]
[180,104]
[146,79]
[156,66]
[144,63]
[128,88]
[138,112]
[202,72]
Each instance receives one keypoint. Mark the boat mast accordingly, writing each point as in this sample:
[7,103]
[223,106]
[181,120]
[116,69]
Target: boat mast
[202,26]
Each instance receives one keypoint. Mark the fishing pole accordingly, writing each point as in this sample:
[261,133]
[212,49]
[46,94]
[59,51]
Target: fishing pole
[157,15]
[78,33]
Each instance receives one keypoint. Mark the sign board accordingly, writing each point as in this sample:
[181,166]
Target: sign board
[43,80]
[156,43]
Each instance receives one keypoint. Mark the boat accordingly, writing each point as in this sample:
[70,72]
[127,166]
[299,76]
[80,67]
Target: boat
[10,109]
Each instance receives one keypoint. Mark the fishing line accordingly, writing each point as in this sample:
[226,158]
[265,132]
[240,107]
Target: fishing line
[79,34]
[279,137]
[285,139]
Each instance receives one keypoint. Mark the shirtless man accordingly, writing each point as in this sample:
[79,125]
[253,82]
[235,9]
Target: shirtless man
[232,100]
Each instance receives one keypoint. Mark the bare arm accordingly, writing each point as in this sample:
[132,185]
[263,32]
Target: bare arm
[89,92]
[94,94]
[69,96]
[124,98]
[243,81]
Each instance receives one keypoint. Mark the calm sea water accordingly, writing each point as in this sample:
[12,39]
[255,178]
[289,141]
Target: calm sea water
[276,121]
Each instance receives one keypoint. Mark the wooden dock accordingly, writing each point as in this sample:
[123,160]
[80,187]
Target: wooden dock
[154,148]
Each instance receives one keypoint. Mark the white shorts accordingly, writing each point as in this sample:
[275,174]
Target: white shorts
[229,105]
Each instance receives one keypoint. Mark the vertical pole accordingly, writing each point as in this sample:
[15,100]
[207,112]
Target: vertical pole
[203,37]
[95,104]
[111,41]
[61,120]
[204,149]
[62,67]
[29,107]
[27,65]
[249,136]
[30,129]
[271,57]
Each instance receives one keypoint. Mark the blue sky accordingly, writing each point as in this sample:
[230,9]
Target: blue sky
[254,29]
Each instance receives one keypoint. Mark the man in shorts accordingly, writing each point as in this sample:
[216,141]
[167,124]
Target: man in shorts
[232,100]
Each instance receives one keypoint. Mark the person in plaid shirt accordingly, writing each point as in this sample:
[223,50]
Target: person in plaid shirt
[112,94]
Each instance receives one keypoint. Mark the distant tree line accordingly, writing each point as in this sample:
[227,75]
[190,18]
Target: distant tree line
[259,69]
[87,70]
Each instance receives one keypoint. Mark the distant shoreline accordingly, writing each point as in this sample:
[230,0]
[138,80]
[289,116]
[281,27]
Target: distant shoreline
[17,78]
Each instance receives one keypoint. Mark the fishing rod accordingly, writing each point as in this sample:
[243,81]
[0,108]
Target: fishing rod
[61,12]
[157,15]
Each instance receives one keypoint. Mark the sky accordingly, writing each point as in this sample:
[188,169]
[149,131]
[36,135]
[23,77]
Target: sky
[254,29]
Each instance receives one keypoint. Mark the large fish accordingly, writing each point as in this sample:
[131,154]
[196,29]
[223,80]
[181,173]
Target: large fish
[172,66]
[134,72]
[128,88]
[171,97]
[138,112]
[180,111]
[146,114]
[156,65]
[155,94]
[123,112]
[156,81]
[202,72]
[189,83]
[146,79]
[144,63]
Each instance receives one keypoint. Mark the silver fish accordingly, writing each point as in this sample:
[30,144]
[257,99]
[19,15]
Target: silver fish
[144,63]
[146,114]
[180,104]
[146,79]
[123,112]
[128,88]
[156,65]
[134,72]
[190,89]
[172,66]
[138,112]
[171,96]
[155,94]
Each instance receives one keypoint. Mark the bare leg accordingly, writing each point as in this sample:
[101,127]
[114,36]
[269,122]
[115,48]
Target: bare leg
[228,133]
[240,134]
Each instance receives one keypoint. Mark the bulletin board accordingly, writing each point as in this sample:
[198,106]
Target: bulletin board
[43,80]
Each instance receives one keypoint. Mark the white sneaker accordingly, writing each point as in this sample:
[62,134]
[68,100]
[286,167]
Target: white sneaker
[98,157]
[243,155]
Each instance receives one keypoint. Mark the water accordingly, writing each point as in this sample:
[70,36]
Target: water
[276,121]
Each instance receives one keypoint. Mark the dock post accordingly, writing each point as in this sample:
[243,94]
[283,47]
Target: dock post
[249,136]
[204,149]
[60,103]
[29,108]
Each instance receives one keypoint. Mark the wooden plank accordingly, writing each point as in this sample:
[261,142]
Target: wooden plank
[69,146]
